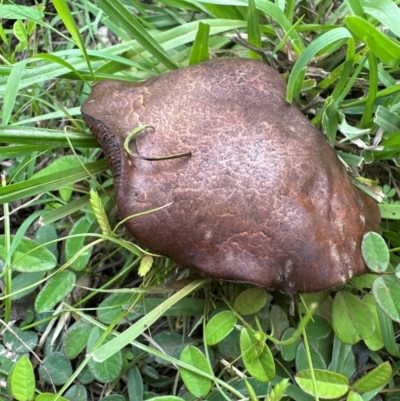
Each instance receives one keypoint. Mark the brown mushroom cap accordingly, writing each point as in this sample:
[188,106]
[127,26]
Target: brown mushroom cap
[263,197]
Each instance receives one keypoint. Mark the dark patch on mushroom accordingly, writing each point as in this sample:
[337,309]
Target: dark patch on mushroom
[262,198]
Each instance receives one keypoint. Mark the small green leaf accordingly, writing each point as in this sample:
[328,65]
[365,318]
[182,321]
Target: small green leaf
[29,257]
[318,328]
[220,326]
[112,307]
[135,384]
[302,360]
[199,50]
[22,380]
[229,347]
[390,211]
[110,368]
[328,384]
[352,396]
[343,360]
[25,280]
[77,392]
[351,319]
[47,235]
[20,31]
[76,339]
[197,385]
[20,341]
[386,291]
[256,355]
[74,245]
[375,252]
[375,342]
[56,288]
[388,335]
[250,301]
[55,369]
[288,352]
[374,379]
[172,344]
[364,281]
[85,376]
[279,320]
[31,26]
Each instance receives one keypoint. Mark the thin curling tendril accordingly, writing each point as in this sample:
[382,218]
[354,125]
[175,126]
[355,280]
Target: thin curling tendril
[141,128]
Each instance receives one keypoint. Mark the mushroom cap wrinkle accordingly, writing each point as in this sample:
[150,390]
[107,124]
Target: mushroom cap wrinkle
[261,198]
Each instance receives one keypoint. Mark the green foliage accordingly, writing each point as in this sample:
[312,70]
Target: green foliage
[56,288]
[197,385]
[200,51]
[374,379]
[27,256]
[322,383]
[219,326]
[250,301]
[20,341]
[76,339]
[257,357]
[386,292]
[96,311]
[22,380]
[56,368]
[109,368]
[351,319]
[253,29]
[375,252]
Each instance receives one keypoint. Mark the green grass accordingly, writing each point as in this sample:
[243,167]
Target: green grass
[77,320]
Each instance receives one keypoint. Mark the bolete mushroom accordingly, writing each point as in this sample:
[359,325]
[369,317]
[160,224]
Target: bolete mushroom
[258,196]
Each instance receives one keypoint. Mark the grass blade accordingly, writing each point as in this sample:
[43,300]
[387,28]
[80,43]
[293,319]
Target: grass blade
[199,50]
[50,182]
[316,46]
[11,91]
[105,351]
[387,49]
[253,29]
[45,137]
[69,22]
[118,13]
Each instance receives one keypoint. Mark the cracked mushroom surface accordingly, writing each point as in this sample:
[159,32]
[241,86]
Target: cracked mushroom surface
[262,198]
